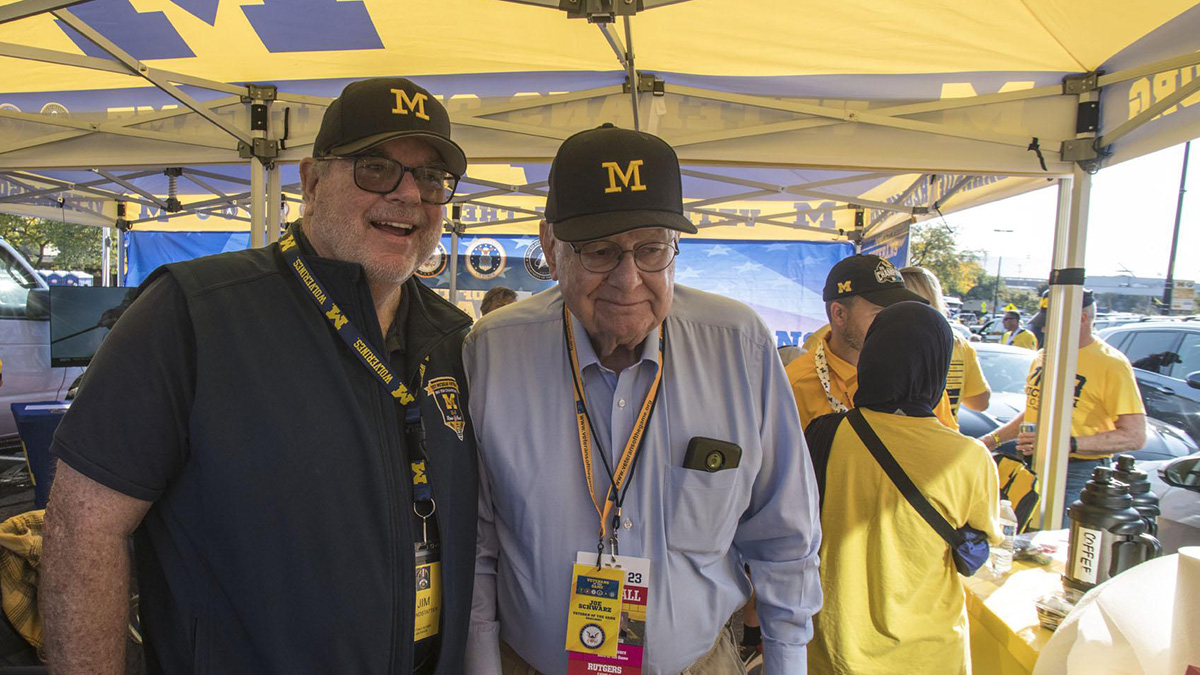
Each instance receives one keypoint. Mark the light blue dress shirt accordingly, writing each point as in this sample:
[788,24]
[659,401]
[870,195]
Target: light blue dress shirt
[722,380]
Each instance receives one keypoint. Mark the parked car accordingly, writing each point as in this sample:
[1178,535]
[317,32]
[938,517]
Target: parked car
[991,330]
[25,342]
[1166,362]
[1006,367]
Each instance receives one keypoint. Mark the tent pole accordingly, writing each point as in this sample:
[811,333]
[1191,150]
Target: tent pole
[632,73]
[274,202]
[454,267]
[121,265]
[1062,346]
[106,257]
[258,204]
[1169,284]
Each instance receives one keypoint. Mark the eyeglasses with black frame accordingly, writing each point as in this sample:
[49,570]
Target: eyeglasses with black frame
[382,175]
[604,256]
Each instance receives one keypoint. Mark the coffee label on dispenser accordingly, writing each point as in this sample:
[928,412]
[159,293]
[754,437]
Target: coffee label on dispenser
[1087,555]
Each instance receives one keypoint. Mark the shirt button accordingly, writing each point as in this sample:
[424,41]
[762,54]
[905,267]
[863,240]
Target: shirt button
[621,403]
[628,524]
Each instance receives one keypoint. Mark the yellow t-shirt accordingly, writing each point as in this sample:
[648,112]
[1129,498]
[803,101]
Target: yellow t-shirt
[965,378]
[1024,338]
[893,600]
[843,383]
[1104,390]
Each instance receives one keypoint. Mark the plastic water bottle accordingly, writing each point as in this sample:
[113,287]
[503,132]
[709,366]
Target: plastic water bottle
[1002,555]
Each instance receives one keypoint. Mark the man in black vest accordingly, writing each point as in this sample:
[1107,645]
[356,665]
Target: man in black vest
[283,431]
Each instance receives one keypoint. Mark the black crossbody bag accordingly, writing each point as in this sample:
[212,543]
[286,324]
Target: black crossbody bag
[968,545]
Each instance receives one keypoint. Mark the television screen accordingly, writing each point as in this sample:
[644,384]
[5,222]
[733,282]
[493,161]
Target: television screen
[80,317]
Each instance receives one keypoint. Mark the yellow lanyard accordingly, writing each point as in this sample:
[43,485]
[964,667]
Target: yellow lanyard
[632,446]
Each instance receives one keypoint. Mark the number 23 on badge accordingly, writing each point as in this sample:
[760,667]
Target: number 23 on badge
[594,616]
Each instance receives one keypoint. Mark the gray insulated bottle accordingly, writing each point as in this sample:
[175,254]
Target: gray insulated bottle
[1145,502]
[1107,535]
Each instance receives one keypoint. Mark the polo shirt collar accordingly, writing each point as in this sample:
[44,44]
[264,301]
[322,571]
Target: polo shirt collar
[841,368]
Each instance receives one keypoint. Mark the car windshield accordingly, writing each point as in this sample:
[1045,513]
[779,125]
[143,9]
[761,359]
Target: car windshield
[1006,371]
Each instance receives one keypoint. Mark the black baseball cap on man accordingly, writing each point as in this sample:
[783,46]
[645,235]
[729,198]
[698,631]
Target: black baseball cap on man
[869,277]
[606,181]
[370,112]
[1039,319]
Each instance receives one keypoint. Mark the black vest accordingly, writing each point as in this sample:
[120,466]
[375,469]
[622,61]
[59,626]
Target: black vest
[285,545]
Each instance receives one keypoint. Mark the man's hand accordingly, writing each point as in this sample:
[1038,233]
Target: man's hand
[84,593]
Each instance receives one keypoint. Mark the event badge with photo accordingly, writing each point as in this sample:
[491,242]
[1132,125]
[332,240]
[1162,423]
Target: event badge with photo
[625,637]
[429,595]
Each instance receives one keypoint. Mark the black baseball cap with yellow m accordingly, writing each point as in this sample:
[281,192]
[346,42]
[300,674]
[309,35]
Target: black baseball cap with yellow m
[370,112]
[870,277]
[607,180]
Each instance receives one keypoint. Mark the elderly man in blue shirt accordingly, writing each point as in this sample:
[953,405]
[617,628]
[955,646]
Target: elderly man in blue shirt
[639,448]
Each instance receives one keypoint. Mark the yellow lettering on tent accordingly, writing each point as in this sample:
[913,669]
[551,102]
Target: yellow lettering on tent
[1145,92]
[137,110]
[415,104]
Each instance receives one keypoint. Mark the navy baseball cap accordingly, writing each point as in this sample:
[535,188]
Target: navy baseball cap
[606,181]
[1039,319]
[870,277]
[370,112]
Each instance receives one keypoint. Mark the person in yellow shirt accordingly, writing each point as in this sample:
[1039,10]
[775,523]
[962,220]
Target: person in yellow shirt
[965,385]
[1108,415]
[825,379]
[894,602]
[1015,335]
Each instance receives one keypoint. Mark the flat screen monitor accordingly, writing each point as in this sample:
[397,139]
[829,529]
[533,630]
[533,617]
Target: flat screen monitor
[80,317]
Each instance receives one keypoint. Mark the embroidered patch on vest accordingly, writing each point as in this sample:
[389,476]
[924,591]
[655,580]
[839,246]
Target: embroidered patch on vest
[444,390]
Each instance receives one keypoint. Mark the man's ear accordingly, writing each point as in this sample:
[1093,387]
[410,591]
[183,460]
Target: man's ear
[549,247]
[837,314]
[308,179]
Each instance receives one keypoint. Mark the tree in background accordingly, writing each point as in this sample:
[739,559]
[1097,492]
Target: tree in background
[934,247]
[72,247]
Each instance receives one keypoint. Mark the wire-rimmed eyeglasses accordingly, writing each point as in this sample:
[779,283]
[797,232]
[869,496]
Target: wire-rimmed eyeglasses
[604,256]
[382,175]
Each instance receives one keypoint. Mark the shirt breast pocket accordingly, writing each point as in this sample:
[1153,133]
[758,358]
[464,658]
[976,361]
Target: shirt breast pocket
[701,517]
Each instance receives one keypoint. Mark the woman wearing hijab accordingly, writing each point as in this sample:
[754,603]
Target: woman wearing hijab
[893,600]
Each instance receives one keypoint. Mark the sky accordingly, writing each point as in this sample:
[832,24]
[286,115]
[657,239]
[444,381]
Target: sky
[1130,221]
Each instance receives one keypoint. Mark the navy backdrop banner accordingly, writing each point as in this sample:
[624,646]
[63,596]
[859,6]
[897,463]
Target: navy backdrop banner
[781,280]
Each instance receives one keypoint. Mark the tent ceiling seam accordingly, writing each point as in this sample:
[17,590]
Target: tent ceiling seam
[1082,68]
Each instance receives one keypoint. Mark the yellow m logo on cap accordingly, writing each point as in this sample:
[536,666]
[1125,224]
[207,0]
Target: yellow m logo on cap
[404,104]
[843,287]
[631,177]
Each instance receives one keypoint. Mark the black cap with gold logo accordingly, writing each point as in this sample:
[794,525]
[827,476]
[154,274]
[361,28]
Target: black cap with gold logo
[870,277]
[606,181]
[370,112]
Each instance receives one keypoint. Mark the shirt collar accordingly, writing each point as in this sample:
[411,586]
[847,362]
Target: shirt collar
[587,354]
[841,368]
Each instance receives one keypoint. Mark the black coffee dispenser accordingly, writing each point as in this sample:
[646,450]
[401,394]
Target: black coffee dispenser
[1107,535]
[1145,502]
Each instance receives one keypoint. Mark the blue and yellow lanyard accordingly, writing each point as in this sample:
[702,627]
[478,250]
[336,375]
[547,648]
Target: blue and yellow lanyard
[413,424]
[628,461]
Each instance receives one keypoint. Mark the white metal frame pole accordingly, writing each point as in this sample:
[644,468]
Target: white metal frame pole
[120,257]
[1062,347]
[274,202]
[258,206]
[106,257]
